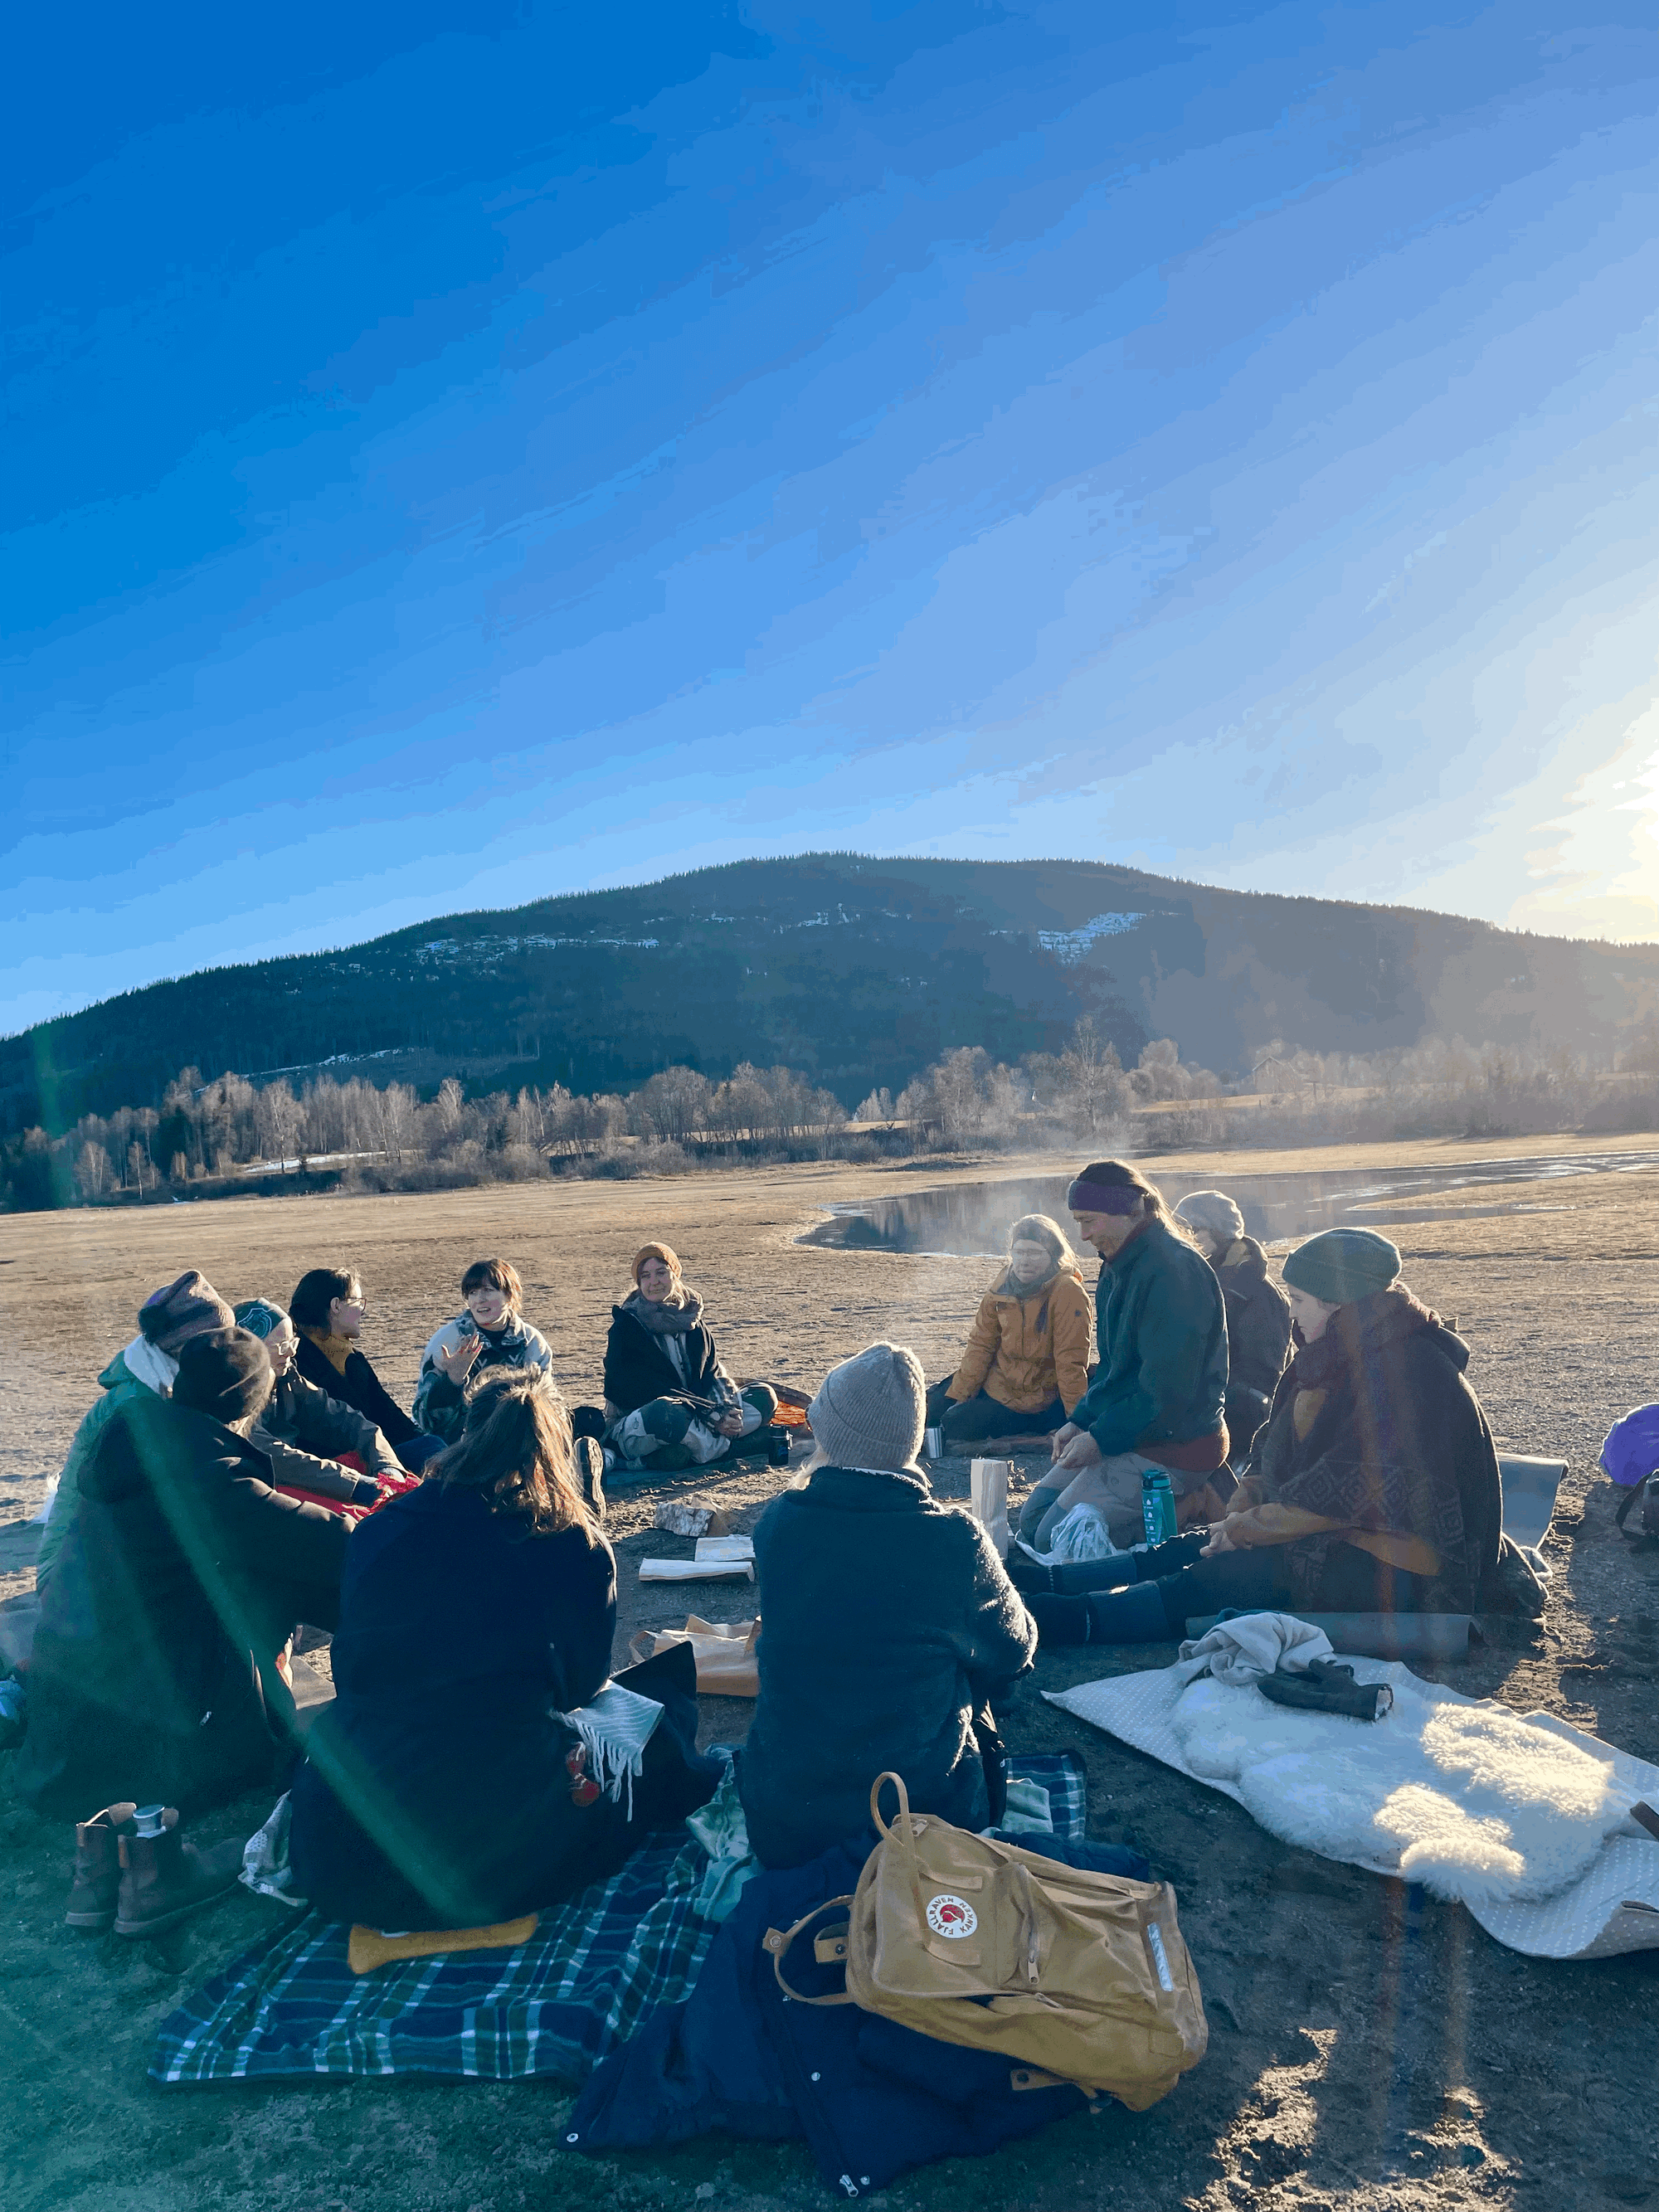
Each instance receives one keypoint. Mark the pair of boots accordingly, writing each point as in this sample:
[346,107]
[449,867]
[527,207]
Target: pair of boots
[142,1884]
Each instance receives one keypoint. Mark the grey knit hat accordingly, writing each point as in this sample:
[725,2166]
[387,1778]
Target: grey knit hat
[871,1410]
[1213,1212]
[1341,1265]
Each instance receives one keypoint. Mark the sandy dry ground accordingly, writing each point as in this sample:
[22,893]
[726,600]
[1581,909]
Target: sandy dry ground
[1359,2056]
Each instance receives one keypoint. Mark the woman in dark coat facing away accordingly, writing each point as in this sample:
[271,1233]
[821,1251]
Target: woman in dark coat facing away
[1376,1486]
[155,1669]
[889,1627]
[445,1788]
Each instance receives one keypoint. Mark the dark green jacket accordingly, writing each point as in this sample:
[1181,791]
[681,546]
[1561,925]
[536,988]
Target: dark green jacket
[1163,1334]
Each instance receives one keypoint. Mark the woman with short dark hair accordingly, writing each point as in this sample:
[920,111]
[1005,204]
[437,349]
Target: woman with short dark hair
[487,1335]
[445,1787]
[327,1310]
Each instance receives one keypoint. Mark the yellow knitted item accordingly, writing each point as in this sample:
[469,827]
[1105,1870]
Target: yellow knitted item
[368,1948]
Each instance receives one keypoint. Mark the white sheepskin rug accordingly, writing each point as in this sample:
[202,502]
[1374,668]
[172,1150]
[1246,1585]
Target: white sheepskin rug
[1521,1817]
[1471,1801]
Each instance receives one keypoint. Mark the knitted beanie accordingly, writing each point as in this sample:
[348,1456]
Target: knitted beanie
[1213,1212]
[871,1410]
[261,1318]
[225,1374]
[1341,1264]
[170,1317]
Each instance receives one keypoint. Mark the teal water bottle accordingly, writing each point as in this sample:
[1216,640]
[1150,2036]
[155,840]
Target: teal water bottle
[1158,1507]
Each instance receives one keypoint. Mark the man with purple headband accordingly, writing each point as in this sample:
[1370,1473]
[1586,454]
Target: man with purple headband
[1156,1401]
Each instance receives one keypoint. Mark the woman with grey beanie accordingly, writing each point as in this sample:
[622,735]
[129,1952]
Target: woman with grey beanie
[891,1627]
[1258,1316]
[1376,1485]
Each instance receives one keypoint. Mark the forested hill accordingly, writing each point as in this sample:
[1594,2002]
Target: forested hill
[856,971]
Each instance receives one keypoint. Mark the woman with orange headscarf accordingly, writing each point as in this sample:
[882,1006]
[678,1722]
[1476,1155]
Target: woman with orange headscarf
[669,1402]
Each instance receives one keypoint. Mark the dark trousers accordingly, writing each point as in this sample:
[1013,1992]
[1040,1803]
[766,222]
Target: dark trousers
[1261,1581]
[977,1419]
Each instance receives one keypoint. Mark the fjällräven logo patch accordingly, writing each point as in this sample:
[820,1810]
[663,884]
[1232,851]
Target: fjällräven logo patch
[951,1916]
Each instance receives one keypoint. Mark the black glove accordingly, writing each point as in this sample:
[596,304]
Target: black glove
[1324,1688]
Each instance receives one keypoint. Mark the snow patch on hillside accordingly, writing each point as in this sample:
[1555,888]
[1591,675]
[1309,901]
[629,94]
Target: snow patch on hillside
[1069,946]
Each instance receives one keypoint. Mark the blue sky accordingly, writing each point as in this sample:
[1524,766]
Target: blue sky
[463,453]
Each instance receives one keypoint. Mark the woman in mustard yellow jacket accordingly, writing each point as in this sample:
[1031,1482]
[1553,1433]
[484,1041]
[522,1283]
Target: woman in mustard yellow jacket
[1027,1361]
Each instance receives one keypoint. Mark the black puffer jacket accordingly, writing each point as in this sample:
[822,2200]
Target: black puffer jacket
[889,1621]
[183,1575]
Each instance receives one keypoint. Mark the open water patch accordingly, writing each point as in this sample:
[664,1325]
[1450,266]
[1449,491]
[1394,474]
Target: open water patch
[971,1219]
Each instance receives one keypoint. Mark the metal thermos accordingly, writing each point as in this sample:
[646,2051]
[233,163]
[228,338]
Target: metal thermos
[932,1443]
[1157,1508]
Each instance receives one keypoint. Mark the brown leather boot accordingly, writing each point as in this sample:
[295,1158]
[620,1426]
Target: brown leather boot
[97,1865]
[164,1878]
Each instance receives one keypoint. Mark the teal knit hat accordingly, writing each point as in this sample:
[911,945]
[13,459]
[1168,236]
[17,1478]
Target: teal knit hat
[1341,1264]
[261,1317]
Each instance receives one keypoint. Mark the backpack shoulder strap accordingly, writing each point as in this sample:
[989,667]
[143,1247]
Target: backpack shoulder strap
[778,1939]
[1629,1499]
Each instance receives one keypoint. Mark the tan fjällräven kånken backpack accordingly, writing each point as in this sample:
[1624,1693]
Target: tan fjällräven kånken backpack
[1087,1978]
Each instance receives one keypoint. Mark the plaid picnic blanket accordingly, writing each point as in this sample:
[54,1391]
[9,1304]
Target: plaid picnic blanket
[1060,1773]
[290,2008]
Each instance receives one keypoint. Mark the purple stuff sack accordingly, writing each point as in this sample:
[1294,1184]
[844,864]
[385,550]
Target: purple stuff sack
[1630,1453]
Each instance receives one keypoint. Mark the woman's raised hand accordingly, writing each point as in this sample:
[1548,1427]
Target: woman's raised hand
[457,1361]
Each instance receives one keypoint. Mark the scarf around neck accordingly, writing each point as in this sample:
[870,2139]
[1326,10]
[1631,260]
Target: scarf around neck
[508,1336]
[1010,1286]
[674,1315]
[337,1350]
[1354,1332]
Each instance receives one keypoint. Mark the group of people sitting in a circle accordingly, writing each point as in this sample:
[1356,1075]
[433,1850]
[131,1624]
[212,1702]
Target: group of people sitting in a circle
[246,1472]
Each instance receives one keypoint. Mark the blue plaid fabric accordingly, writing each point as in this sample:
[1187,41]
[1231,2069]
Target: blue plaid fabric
[292,2006]
[1060,1773]
[291,2009]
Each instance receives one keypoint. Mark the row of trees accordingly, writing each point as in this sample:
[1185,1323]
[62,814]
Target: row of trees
[210,1131]
[388,1136]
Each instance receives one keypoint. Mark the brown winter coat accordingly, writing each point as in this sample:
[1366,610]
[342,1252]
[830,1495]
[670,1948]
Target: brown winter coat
[1028,1347]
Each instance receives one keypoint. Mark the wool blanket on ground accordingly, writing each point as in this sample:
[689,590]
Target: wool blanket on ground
[289,2006]
[1522,1818]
